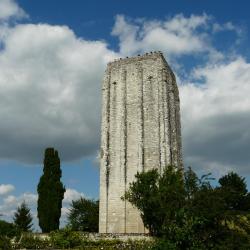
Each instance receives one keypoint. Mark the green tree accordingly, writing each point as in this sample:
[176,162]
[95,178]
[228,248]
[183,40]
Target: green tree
[8,229]
[50,192]
[7,232]
[22,218]
[234,190]
[158,197]
[190,213]
[84,215]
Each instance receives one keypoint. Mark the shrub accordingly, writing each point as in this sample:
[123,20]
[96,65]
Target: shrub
[31,241]
[65,238]
[189,213]
[84,215]
[5,243]
[159,198]
[162,244]
[8,229]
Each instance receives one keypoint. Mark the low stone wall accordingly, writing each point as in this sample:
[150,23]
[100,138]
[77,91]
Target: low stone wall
[123,237]
[103,236]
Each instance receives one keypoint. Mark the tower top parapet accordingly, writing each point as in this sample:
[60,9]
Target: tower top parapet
[127,60]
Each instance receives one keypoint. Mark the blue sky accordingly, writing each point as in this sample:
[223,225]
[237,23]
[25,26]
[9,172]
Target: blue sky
[52,58]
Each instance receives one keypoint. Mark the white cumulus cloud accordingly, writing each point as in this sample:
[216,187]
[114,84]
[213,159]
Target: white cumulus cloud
[50,95]
[178,35]
[10,8]
[10,203]
[50,88]
[216,116]
[215,106]
[71,194]
[6,188]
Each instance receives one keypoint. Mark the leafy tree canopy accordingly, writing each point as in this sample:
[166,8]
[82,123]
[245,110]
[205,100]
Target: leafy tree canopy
[8,229]
[188,212]
[84,215]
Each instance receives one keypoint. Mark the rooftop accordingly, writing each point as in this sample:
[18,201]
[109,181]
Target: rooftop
[149,55]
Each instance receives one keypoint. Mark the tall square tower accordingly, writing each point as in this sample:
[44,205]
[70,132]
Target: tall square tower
[140,131]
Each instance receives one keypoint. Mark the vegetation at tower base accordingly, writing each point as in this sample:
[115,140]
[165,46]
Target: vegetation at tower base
[84,215]
[50,192]
[187,212]
[7,232]
[22,218]
[8,229]
[157,197]
[67,239]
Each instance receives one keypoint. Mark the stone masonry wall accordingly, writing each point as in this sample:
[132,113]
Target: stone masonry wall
[140,131]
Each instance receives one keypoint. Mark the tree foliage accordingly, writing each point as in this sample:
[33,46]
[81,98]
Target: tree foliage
[22,218]
[50,192]
[189,213]
[8,229]
[158,197]
[84,215]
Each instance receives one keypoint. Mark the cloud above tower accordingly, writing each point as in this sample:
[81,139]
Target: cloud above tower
[175,36]
[215,117]
[10,9]
[213,83]
[50,92]
[50,82]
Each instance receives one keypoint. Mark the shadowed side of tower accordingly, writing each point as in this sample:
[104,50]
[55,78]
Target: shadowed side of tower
[140,131]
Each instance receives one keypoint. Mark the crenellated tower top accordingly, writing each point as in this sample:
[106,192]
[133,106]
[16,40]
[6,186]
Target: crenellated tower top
[138,58]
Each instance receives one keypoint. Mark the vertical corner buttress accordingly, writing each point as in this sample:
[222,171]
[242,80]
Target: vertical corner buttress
[161,120]
[105,141]
[140,110]
[178,126]
[167,116]
[174,121]
[124,138]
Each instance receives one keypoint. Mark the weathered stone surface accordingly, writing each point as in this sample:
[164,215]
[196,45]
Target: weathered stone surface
[140,131]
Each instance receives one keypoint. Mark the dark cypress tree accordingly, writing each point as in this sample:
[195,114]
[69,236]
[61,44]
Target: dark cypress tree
[50,192]
[22,218]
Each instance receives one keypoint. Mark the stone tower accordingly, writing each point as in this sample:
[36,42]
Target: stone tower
[140,131]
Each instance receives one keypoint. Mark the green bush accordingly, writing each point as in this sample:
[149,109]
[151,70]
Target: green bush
[101,243]
[161,244]
[31,241]
[84,215]
[107,244]
[65,238]
[234,240]
[189,213]
[140,244]
[5,243]
[8,229]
